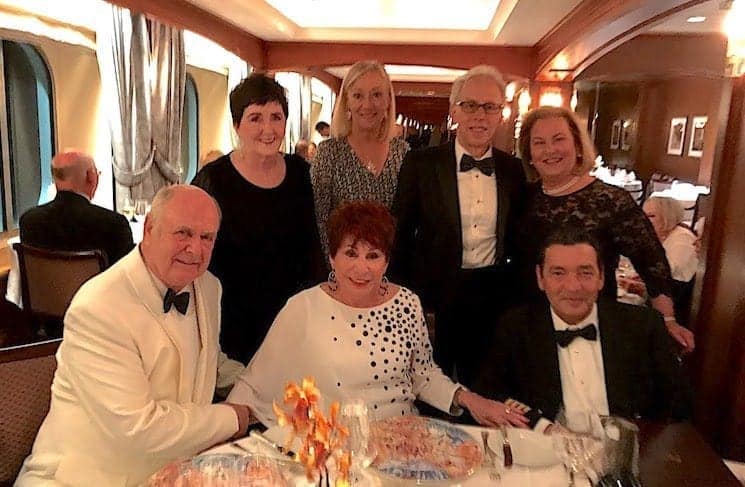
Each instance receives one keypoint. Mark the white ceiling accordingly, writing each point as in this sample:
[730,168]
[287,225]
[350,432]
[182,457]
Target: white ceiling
[477,22]
[409,73]
[677,23]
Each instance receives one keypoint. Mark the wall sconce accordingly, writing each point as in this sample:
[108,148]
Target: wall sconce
[573,101]
[506,112]
[524,101]
[551,98]
[732,27]
[400,119]
[509,91]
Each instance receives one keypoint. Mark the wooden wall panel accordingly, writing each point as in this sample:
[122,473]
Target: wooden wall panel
[718,363]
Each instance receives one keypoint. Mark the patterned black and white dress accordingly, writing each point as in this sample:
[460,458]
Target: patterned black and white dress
[381,355]
[338,176]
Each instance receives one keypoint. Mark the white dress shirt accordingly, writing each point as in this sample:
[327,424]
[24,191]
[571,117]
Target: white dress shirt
[477,196]
[582,370]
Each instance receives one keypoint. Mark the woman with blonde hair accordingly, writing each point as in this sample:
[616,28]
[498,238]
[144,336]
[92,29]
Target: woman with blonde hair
[362,158]
[558,156]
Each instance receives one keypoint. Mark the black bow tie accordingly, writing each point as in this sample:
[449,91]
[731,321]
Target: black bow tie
[486,165]
[565,337]
[180,301]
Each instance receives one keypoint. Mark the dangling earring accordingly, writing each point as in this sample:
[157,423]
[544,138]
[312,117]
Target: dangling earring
[333,285]
[383,286]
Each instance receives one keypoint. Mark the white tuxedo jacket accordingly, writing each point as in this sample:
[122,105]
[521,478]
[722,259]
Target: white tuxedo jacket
[120,406]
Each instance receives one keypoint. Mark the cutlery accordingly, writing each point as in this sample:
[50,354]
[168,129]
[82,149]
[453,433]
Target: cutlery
[489,460]
[506,448]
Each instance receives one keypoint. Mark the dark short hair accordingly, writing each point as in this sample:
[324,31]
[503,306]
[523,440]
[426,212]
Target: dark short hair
[362,220]
[322,125]
[570,236]
[256,89]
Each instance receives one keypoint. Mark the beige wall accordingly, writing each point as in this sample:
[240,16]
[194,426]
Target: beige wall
[214,112]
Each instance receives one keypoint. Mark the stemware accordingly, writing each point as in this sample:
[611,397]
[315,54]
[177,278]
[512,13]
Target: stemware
[579,443]
[356,418]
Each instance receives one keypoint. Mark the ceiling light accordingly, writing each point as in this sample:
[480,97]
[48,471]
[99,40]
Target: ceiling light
[696,19]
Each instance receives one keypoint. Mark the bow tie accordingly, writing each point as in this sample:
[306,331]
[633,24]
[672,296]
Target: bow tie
[180,301]
[565,337]
[486,165]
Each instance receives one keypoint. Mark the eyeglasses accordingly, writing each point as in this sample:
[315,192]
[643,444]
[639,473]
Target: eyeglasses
[470,106]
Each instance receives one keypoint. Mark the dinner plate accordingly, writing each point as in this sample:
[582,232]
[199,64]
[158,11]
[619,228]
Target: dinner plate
[529,448]
[414,449]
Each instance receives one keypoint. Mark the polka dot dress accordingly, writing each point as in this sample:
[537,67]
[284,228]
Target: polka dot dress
[381,355]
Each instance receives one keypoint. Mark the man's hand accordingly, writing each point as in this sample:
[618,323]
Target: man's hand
[488,412]
[243,413]
[682,335]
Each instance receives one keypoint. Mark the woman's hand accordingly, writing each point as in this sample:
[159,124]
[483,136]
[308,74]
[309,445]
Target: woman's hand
[488,412]
[682,335]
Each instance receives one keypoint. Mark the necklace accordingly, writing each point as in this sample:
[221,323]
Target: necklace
[560,189]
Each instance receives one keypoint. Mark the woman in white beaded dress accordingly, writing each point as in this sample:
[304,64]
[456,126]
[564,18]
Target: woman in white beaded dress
[358,335]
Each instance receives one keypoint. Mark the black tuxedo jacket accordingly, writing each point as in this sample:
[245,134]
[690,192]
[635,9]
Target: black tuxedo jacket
[643,378]
[428,251]
[71,222]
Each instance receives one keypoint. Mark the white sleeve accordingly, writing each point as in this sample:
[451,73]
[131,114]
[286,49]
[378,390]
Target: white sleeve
[274,364]
[430,384]
[681,255]
[105,370]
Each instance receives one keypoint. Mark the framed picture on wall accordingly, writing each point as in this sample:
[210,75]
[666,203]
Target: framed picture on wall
[677,134]
[627,134]
[615,134]
[698,126]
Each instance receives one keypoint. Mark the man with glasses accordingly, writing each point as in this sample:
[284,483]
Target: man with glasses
[455,206]
[70,221]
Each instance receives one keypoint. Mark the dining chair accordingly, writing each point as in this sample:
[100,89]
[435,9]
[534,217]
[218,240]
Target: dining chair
[26,373]
[50,278]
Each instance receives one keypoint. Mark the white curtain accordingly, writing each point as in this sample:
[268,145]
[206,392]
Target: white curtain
[144,93]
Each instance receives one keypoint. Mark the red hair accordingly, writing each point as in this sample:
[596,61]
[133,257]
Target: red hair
[361,220]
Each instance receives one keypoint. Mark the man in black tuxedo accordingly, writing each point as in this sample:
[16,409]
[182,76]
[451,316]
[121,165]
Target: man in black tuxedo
[71,221]
[590,356]
[455,205]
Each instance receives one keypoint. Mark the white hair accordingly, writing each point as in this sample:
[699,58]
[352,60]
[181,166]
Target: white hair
[474,72]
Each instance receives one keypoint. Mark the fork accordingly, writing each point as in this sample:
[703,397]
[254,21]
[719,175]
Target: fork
[489,462]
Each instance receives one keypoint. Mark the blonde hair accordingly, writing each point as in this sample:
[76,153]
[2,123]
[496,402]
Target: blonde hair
[341,124]
[475,72]
[586,153]
[669,211]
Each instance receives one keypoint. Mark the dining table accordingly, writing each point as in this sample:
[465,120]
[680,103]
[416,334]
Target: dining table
[670,455]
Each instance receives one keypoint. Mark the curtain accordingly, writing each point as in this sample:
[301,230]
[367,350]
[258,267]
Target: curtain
[144,92]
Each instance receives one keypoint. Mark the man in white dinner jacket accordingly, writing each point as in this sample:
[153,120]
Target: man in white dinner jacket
[139,363]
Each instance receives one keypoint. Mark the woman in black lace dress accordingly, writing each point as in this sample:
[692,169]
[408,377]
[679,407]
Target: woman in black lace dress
[558,156]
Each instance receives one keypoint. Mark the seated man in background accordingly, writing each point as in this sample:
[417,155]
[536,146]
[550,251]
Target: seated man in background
[590,356]
[140,361]
[301,149]
[71,221]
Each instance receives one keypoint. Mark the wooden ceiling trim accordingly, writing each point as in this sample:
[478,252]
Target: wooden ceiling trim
[331,81]
[184,15]
[595,28]
[421,88]
[514,61]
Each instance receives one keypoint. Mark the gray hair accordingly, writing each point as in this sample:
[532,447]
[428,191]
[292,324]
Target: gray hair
[669,211]
[474,72]
[165,194]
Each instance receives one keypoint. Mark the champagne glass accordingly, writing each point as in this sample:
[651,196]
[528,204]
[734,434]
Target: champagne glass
[578,444]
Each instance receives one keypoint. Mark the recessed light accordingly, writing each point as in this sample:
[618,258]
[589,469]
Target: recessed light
[696,19]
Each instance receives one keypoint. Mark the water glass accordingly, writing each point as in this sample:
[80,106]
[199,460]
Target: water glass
[356,418]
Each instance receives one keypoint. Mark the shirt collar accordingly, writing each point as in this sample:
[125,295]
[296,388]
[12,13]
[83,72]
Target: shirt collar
[460,150]
[560,324]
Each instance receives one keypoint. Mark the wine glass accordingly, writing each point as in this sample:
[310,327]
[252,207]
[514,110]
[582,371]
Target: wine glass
[140,209]
[127,208]
[578,442]
[355,417]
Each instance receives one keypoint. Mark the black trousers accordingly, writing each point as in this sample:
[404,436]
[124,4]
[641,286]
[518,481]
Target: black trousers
[465,321]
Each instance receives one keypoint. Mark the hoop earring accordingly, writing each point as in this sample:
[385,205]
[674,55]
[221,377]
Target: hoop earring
[333,285]
[383,286]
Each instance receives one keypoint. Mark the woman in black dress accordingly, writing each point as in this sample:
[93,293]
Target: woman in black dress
[267,248]
[558,156]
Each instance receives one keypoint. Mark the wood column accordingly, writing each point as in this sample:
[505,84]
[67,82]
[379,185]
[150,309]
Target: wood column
[719,361]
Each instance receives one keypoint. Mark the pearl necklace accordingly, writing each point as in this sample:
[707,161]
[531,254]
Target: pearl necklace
[560,189]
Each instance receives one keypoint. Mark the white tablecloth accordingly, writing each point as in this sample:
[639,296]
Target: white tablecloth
[13,290]
[515,476]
